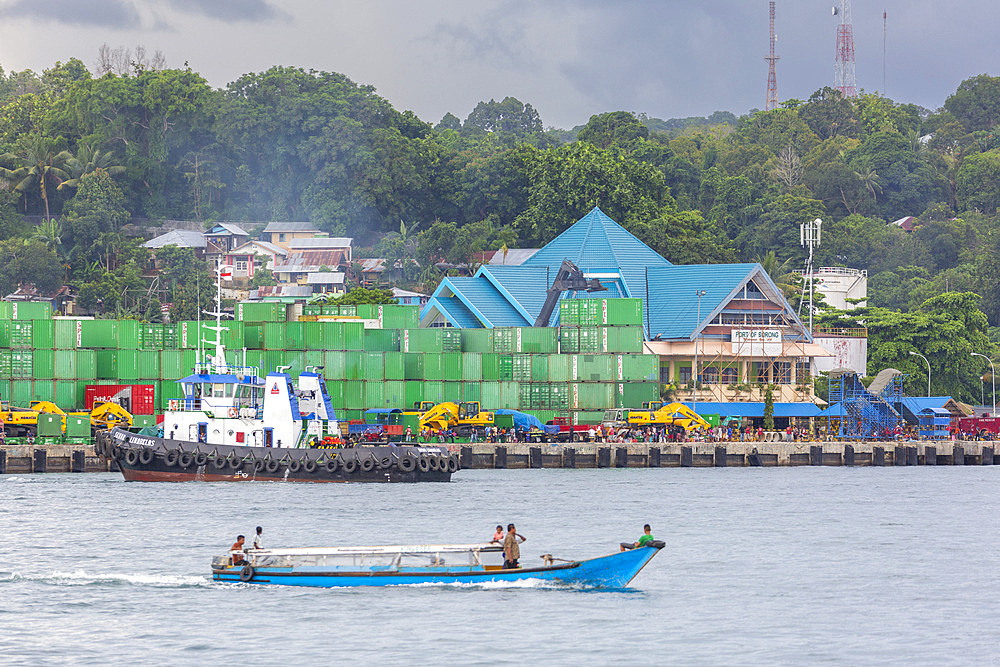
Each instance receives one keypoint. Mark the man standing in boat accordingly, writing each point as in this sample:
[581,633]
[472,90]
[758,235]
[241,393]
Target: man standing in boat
[258,540]
[512,548]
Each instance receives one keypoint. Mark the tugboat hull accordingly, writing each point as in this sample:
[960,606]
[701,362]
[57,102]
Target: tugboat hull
[152,459]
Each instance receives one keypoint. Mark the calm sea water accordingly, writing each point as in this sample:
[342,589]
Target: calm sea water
[791,565]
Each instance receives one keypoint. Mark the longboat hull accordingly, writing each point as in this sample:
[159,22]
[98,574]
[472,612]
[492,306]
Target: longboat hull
[152,459]
[612,571]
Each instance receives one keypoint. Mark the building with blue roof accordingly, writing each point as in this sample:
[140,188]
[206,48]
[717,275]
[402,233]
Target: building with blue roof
[745,330]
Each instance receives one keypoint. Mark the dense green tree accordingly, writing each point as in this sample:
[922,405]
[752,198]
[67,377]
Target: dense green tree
[39,167]
[976,103]
[616,128]
[94,218]
[510,116]
[978,183]
[829,114]
[29,262]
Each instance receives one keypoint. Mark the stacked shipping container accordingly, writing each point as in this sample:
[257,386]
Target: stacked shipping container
[371,357]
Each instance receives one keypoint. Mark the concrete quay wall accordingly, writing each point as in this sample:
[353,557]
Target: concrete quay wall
[727,454]
[26,459]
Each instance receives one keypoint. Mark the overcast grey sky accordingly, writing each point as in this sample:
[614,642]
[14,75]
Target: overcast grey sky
[671,58]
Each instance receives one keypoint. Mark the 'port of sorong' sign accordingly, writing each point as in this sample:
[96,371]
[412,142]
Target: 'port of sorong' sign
[757,342]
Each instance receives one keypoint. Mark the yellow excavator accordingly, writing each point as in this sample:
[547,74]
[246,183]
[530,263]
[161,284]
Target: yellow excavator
[105,415]
[460,417]
[657,414]
[18,422]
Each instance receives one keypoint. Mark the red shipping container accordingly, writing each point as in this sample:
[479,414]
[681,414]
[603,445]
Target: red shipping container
[136,398]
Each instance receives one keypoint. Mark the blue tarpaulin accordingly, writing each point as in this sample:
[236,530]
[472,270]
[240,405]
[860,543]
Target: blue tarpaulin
[526,422]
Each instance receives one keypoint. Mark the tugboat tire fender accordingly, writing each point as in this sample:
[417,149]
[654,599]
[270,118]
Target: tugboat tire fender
[246,574]
[146,456]
[332,464]
[132,457]
[185,460]
[272,465]
[309,465]
[443,462]
[367,464]
[98,447]
[171,457]
[453,464]
[432,461]
[116,452]
[350,465]
[407,463]
[234,462]
[259,465]
[200,459]
[385,462]
[294,465]
[218,462]
[424,464]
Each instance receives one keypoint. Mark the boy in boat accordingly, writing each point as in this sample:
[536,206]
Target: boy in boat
[644,540]
[512,548]
[238,548]
[258,540]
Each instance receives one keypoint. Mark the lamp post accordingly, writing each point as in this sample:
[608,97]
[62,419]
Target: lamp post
[917,354]
[993,375]
[694,395]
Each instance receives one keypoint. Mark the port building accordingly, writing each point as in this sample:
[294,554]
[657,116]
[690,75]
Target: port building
[732,317]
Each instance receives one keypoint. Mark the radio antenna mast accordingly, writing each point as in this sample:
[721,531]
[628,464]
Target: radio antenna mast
[772,79]
[843,61]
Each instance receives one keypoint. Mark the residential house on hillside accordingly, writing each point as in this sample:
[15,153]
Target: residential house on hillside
[225,236]
[407,298]
[254,255]
[326,282]
[322,243]
[283,233]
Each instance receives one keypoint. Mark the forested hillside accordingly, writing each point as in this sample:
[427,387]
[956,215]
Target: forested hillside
[94,152]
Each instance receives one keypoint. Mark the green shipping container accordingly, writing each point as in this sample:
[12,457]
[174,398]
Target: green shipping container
[333,366]
[637,368]
[490,392]
[558,396]
[569,340]
[65,398]
[98,333]
[149,364]
[313,359]
[335,389]
[64,333]
[490,363]
[621,339]
[422,340]
[505,366]
[520,368]
[354,395]
[5,364]
[21,333]
[252,311]
[451,365]
[373,366]
[591,395]
[394,394]
[43,334]
[451,340]
[397,317]
[86,364]
[22,363]
[536,340]
[352,365]
[472,366]
[434,391]
[433,366]
[22,393]
[558,367]
[127,335]
[172,365]
[294,336]
[253,336]
[380,340]
[65,364]
[45,390]
[127,365]
[472,391]
[540,367]
[150,336]
[477,340]
[273,360]
[509,396]
[354,337]
[31,310]
[395,365]
[453,391]
[414,393]
[375,394]
[634,394]
[43,364]
[274,337]
[591,367]
[296,362]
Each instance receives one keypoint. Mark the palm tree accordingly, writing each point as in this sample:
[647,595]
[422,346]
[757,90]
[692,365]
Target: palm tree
[38,165]
[869,178]
[86,161]
[779,272]
[49,232]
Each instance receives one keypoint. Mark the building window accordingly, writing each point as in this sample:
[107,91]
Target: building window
[783,372]
[710,375]
[728,376]
[762,372]
[281,238]
[802,371]
[685,374]
[665,375]
[241,267]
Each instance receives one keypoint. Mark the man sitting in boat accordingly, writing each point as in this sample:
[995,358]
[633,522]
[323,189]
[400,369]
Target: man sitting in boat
[237,550]
[512,548]
[644,540]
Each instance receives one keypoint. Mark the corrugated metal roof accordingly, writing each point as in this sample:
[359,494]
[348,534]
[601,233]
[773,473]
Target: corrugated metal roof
[178,237]
[290,227]
[514,257]
[248,247]
[325,278]
[673,303]
[489,301]
[318,243]
[756,409]
[224,228]
[456,312]
[527,286]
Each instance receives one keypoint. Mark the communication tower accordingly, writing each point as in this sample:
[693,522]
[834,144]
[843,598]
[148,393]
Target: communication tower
[772,79]
[843,62]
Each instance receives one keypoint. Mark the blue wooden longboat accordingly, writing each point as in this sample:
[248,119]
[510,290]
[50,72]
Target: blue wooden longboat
[421,564]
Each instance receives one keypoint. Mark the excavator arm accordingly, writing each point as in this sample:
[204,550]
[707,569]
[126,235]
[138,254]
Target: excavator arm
[673,413]
[106,415]
[441,416]
[569,277]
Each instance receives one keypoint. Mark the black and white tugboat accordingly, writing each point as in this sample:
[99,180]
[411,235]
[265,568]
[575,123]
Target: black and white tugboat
[236,425]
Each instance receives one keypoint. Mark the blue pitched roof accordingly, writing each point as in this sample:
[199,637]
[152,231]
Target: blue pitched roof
[756,409]
[677,317]
[457,312]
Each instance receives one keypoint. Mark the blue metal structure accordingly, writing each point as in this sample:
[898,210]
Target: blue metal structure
[866,414]
[271,567]
[934,423]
